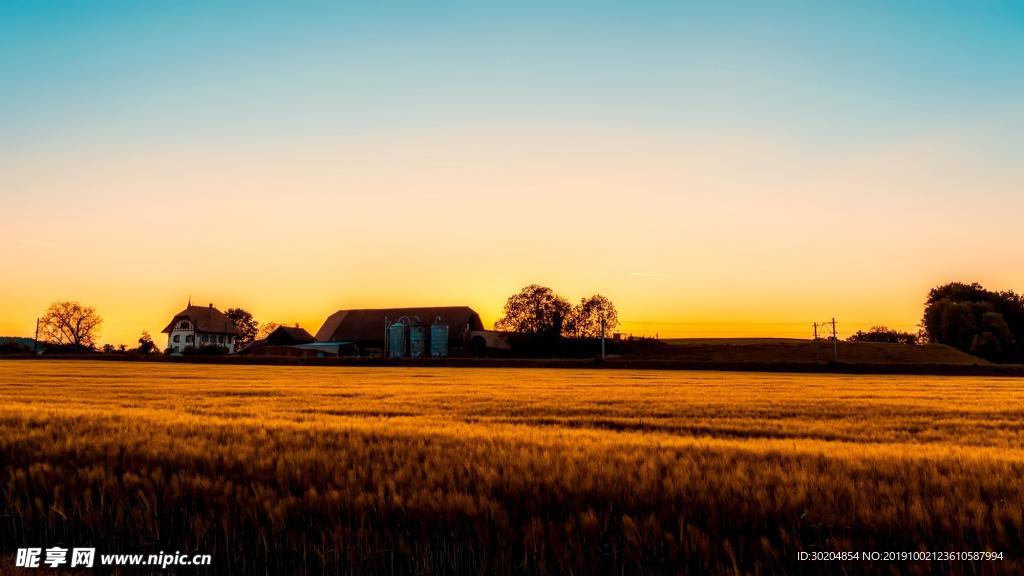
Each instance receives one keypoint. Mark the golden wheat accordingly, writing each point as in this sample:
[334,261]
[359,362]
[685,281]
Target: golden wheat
[311,469]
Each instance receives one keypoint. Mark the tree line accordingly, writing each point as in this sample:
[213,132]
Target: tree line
[985,323]
[885,335]
[73,328]
[988,324]
[538,311]
[538,319]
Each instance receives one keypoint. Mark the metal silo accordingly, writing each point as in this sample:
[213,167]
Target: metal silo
[396,340]
[438,339]
[417,340]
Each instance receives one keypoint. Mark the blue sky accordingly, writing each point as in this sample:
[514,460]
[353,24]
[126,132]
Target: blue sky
[834,74]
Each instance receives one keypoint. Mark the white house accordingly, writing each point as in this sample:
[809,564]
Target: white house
[198,326]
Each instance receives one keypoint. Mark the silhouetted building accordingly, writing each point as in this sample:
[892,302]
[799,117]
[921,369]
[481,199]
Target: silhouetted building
[367,329]
[289,336]
[290,341]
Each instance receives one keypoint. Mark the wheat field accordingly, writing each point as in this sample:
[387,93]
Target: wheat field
[294,470]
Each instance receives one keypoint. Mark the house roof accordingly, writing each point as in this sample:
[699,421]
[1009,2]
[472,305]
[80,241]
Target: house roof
[289,335]
[367,325]
[205,319]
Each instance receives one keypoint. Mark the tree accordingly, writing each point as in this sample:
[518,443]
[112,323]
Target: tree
[246,325]
[535,311]
[979,321]
[994,338]
[883,334]
[584,321]
[146,344]
[70,324]
[266,329]
[957,323]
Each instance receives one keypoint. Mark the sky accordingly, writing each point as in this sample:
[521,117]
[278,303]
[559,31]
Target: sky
[715,168]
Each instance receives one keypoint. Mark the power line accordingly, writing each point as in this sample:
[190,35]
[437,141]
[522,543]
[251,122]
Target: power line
[828,329]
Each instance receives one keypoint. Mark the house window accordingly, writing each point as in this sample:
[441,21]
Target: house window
[220,339]
[231,339]
[185,325]
[189,338]
[203,338]
[177,338]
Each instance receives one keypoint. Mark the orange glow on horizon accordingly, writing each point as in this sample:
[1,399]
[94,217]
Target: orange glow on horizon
[668,229]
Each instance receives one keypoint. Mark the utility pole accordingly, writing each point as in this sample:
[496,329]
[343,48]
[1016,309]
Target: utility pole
[602,337]
[35,341]
[817,355]
[835,341]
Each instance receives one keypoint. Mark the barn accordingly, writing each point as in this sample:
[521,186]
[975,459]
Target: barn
[366,329]
[288,336]
[290,341]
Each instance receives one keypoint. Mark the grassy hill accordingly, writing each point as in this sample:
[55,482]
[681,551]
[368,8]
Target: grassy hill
[795,351]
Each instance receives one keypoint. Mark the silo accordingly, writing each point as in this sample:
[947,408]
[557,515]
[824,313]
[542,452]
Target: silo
[417,340]
[396,340]
[438,339]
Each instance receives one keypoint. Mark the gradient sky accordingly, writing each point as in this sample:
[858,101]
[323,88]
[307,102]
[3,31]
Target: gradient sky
[717,169]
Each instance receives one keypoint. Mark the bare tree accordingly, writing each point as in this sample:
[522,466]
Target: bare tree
[266,329]
[70,324]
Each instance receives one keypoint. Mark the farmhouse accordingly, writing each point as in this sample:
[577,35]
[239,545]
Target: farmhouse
[198,326]
[429,331]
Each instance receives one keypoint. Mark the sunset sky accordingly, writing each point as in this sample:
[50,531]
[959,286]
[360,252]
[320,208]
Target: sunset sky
[715,168]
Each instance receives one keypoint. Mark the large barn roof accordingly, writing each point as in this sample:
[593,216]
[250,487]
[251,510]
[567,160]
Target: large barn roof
[205,319]
[368,325]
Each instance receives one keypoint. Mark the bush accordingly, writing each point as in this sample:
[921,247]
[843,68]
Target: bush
[52,348]
[14,348]
[208,350]
[885,335]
